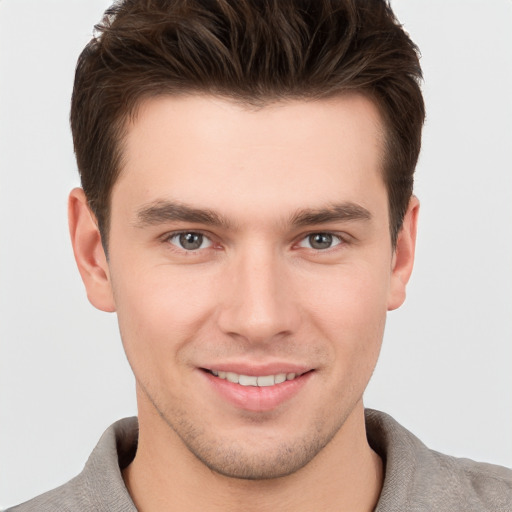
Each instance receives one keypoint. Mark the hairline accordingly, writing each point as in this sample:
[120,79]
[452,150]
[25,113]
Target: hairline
[249,102]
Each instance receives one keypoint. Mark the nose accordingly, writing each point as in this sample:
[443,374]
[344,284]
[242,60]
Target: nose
[259,305]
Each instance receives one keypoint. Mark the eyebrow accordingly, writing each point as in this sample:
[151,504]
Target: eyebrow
[160,212]
[333,213]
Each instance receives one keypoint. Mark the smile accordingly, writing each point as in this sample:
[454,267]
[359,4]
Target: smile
[253,380]
[257,393]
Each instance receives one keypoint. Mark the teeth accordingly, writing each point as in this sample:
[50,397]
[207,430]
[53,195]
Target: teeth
[267,380]
[232,377]
[245,380]
[280,377]
[251,380]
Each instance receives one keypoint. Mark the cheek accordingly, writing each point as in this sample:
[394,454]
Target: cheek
[160,309]
[352,294]
[349,308]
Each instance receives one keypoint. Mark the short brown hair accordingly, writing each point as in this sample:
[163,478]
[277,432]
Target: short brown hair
[254,51]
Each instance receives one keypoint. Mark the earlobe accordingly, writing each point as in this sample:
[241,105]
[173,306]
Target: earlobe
[89,254]
[403,258]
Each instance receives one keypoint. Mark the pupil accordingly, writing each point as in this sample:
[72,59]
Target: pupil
[320,241]
[191,241]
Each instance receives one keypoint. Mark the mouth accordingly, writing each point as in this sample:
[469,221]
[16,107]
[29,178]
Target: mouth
[263,391]
[261,381]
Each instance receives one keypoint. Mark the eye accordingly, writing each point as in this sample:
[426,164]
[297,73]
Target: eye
[190,241]
[320,241]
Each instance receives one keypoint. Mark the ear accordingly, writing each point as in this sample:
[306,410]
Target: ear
[89,254]
[403,257]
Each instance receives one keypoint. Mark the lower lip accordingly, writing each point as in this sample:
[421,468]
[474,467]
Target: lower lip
[254,398]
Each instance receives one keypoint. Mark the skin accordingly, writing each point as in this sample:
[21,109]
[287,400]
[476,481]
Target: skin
[257,295]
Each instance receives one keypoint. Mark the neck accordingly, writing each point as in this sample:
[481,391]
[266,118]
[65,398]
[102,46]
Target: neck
[345,475]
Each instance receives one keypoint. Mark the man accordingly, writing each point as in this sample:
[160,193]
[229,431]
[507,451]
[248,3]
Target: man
[247,211]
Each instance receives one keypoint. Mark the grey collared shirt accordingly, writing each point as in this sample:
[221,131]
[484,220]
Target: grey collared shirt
[416,478]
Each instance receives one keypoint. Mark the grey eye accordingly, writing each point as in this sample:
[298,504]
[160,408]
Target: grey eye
[320,241]
[190,241]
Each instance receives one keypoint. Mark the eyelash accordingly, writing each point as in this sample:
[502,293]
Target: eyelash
[170,236]
[333,236]
[341,240]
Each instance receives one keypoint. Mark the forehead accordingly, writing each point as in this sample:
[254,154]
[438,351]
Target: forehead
[215,153]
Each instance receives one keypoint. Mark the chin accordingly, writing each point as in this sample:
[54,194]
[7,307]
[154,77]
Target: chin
[253,454]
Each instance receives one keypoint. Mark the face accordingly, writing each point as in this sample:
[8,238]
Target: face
[251,268]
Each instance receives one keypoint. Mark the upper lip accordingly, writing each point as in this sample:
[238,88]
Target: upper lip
[255,370]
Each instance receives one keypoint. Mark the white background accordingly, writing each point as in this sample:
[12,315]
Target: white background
[446,367]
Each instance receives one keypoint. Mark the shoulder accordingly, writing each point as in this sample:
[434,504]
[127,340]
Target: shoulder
[100,486]
[419,479]
[68,497]
[478,485]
